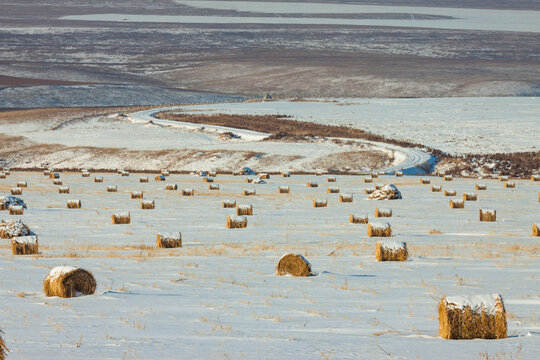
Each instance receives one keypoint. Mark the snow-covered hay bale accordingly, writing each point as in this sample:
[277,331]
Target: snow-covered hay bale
[379,212]
[472,317]
[441,174]
[331,179]
[398,173]
[345,198]
[85,174]
[143,179]
[379,230]
[449,192]
[16,210]
[457,204]
[487,215]
[2,175]
[125,173]
[47,172]
[160,178]
[391,251]
[121,218]
[228,204]
[98,179]
[244,210]
[3,348]
[63,190]
[293,264]
[7,200]
[387,192]
[535,230]
[119,171]
[333,190]
[369,190]
[165,172]
[312,184]
[436,188]
[264,176]
[54,176]
[22,184]
[213,186]
[169,240]
[16,191]
[425,181]
[236,222]
[358,219]
[148,205]
[15,228]
[137,194]
[112,188]
[285,174]
[68,281]
[6,171]
[480,187]
[317,203]
[171,187]
[535,177]
[284,189]
[207,179]
[448,178]
[510,185]
[368,180]
[470,197]
[249,192]
[188,192]
[212,173]
[57,182]
[503,178]
[24,245]
[74,204]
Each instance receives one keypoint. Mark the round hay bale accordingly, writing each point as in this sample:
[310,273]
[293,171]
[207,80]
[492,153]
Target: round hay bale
[379,230]
[98,179]
[148,205]
[57,182]
[171,187]
[450,192]
[207,179]
[160,178]
[169,240]
[503,178]
[436,188]
[244,210]
[188,192]
[137,194]
[383,212]
[213,186]
[457,204]
[470,197]
[391,251]
[441,174]
[333,190]
[125,173]
[284,189]
[487,215]
[312,184]
[236,222]
[16,191]
[317,203]
[448,178]
[345,198]
[285,174]
[425,181]
[358,219]
[16,210]
[535,230]
[331,179]
[143,179]
[63,190]
[374,175]
[85,174]
[22,184]
[2,175]
[47,172]
[509,185]
[165,172]
[54,176]
[480,187]
[112,188]
[249,192]
[535,177]
[74,204]
[368,180]
[293,264]
[229,204]
[212,174]
[121,218]
[472,317]
[3,348]
[25,245]
[399,173]
[67,281]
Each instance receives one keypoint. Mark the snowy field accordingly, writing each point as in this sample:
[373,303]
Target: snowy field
[455,125]
[217,296]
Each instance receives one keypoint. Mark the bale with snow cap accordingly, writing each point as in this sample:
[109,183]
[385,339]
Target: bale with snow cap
[3,175]
[249,192]
[536,230]
[98,179]
[457,204]
[54,176]
[425,181]
[333,190]
[57,182]
[213,186]
[487,215]
[169,240]
[24,245]
[312,184]
[137,194]
[284,189]
[16,210]
[112,188]
[148,205]
[22,184]
[171,187]
[264,176]
[535,177]
[448,178]
[165,172]
[331,179]
[143,179]
[480,187]
[436,188]
[399,173]
[285,174]
[6,201]
[470,197]
[121,218]
[387,192]
[68,281]
[3,348]
[358,219]
[6,170]
[345,198]
[472,317]
[450,192]
[74,204]
[47,172]
[85,174]
[510,185]
[207,179]
[16,191]
[212,173]
[368,180]
[379,212]
[293,264]
[188,192]
[441,174]
[160,178]
[374,175]
[503,178]
[320,203]
[15,228]
[125,173]
[236,222]
[244,210]
[63,190]
[228,204]
[379,230]
[391,251]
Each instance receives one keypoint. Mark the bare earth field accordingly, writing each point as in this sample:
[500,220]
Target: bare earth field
[218,296]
